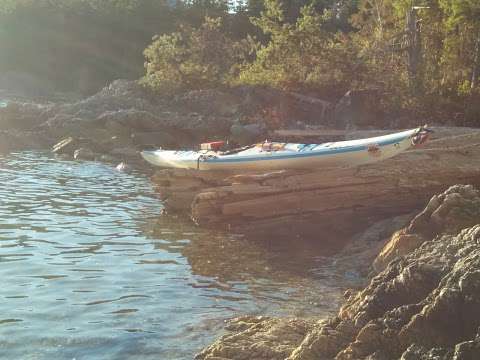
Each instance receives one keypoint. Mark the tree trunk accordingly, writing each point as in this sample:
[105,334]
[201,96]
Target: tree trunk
[476,61]
[414,50]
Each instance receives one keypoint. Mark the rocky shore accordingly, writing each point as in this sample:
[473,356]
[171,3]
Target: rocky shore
[424,304]
[422,297]
[118,121]
[123,118]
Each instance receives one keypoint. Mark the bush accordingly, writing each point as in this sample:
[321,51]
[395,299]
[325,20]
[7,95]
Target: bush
[192,59]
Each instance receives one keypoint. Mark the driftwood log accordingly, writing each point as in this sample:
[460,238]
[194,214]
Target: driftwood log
[327,203]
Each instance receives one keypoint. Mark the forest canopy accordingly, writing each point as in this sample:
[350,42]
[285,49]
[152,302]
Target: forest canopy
[423,56]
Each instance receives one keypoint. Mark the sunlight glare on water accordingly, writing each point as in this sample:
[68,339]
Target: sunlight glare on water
[90,270]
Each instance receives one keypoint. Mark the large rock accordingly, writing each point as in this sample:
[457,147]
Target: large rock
[257,338]
[447,213]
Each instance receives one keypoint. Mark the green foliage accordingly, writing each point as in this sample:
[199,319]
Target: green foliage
[192,58]
[304,55]
[320,46]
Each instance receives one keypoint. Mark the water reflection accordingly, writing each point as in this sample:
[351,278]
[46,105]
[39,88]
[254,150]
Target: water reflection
[90,270]
[237,258]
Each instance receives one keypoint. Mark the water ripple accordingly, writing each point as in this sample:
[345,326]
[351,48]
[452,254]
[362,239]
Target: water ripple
[89,269]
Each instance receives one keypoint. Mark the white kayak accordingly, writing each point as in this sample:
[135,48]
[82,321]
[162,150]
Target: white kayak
[276,156]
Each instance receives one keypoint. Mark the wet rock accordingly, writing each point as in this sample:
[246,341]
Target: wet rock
[255,338]
[84,154]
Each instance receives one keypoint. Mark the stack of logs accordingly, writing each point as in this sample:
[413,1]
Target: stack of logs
[334,202]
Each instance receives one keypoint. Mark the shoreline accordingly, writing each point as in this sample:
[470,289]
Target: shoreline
[425,269]
[429,289]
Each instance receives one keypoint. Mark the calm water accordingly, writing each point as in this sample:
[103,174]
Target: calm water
[90,270]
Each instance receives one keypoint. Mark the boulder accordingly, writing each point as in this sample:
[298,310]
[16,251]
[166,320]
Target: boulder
[447,213]
[252,339]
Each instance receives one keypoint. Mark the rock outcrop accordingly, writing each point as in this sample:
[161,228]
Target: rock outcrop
[446,213]
[423,305]
[258,337]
